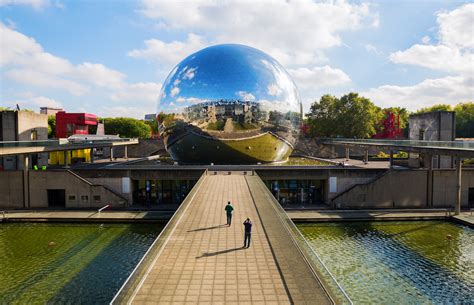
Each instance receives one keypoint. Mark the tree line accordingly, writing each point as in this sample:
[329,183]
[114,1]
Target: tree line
[355,116]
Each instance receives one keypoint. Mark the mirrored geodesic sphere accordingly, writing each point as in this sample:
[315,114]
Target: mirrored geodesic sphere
[231,97]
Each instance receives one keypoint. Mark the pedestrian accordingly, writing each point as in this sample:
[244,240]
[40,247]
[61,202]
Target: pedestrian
[248,232]
[228,209]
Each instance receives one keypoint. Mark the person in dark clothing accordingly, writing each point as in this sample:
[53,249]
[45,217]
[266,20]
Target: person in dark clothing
[228,209]
[248,232]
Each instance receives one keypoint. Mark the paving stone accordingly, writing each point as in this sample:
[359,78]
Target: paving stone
[203,261]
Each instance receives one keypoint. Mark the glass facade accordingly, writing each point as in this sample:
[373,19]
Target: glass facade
[229,93]
[156,192]
[297,192]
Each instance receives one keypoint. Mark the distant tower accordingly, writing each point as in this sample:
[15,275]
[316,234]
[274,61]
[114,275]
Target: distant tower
[301,113]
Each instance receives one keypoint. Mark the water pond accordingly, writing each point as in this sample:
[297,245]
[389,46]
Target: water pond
[69,263]
[415,262]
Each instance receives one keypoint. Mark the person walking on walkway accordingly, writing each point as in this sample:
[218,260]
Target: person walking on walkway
[228,209]
[248,232]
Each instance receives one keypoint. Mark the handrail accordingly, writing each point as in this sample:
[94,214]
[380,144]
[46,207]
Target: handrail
[292,228]
[132,281]
[103,208]
[77,176]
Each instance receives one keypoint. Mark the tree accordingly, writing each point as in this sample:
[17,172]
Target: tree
[349,116]
[437,107]
[51,126]
[389,127]
[464,120]
[127,127]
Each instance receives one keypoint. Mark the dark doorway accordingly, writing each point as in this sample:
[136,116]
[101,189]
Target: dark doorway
[56,198]
[471,197]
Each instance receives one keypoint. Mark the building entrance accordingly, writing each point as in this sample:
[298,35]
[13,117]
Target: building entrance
[160,192]
[294,192]
[56,198]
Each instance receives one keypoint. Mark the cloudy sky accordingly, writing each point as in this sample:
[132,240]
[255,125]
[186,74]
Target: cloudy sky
[110,57]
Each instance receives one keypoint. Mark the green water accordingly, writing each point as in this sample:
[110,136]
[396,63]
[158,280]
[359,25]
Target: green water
[69,263]
[398,262]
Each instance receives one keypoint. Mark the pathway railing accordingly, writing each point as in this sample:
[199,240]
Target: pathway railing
[336,291]
[103,208]
[134,281]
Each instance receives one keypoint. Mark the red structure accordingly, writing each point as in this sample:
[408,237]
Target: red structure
[68,124]
[390,128]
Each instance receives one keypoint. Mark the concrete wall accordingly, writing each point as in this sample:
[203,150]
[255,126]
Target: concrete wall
[18,126]
[432,126]
[407,189]
[11,189]
[74,186]
[115,184]
[444,187]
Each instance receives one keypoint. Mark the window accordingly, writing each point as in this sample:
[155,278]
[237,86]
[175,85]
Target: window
[71,197]
[96,198]
[421,136]
[34,135]
[84,198]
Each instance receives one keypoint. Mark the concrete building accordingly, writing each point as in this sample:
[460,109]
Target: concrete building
[23,126]
[50,111]
[432,126]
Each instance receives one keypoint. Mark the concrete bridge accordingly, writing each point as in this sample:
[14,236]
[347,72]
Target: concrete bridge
[200,260]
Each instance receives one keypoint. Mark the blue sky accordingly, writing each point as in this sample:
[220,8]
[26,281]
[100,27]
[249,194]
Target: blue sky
[111,57]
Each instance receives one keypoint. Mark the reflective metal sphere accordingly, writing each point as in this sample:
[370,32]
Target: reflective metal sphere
[229,104]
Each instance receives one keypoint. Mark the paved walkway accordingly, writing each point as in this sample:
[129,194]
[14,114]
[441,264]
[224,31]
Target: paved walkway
[203,260]
[340,215]
[87,216]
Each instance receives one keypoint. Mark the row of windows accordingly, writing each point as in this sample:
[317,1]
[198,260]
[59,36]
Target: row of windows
[84,198]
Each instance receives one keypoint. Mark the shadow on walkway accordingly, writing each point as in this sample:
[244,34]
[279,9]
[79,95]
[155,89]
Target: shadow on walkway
[207,254]
[208,228]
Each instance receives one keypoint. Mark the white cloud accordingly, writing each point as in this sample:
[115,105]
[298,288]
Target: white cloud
[453,53]
[447,90]
[456,28]
[294,32]
[174,91]
[274,90]
[189,74]
[42,101]
[36,4]
[189,100]
[436,57]
[135,111]
[319,77]
[246,96]
[372,49]
[139,92]
[168,53]
[32,102]
[36,78]
[99,75]
[25,61]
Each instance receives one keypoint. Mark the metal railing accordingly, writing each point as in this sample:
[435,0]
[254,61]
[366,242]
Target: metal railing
[315,262]
[465,145]
[134,281]
[103,208]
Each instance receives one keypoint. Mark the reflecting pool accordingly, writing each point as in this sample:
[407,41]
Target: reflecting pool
[69,263]
[398,262]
